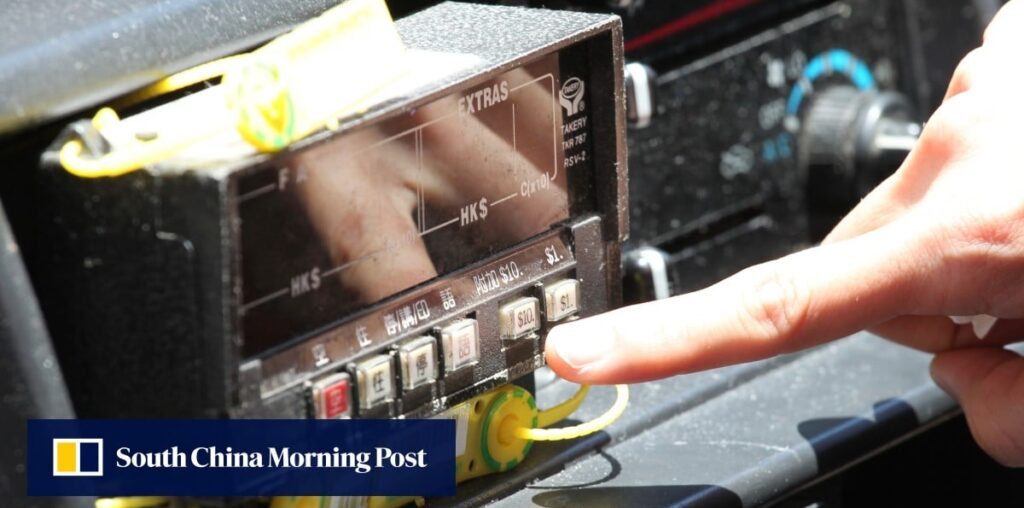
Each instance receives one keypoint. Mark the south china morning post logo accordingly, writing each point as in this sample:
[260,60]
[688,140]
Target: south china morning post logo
[241,457]
[361,462]
[77,457]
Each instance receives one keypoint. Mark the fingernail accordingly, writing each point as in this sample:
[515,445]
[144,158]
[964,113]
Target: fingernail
[580,345]
[982,324]
[960,320]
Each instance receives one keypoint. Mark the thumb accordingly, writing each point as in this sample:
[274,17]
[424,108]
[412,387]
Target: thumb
[989,385]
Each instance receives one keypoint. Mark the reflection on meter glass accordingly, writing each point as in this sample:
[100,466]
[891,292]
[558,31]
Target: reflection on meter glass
[385,208]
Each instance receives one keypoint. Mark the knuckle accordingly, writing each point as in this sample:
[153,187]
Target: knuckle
[948,129]
[969,68]
[990,231]
[981,231]
[777,306]
[344,248]
[980,252]
[965,126]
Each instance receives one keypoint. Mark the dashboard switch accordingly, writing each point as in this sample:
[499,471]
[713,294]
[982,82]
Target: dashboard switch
[331,397]
[519,318]
[418,362]
[561,299]
[376,381]
[460,342]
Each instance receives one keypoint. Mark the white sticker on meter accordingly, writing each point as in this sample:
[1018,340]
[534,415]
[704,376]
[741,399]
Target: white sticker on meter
[460,414]
[519,318]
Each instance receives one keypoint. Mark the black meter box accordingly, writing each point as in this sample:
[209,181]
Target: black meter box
[405,261]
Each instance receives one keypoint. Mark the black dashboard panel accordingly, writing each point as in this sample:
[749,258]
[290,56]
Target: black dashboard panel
[735,162]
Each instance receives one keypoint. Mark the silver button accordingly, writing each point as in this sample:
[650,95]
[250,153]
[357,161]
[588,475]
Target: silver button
[418,359]
[376,382]
[561,299]
[519,318]
[640,100]
[460,342]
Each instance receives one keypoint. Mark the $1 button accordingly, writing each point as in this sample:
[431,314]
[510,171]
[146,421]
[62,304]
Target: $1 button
[561,299]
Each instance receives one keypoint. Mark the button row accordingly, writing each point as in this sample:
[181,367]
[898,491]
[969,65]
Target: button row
[521,317]
[417,357]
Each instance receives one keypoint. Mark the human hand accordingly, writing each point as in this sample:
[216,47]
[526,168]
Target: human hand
[383,198]
[942,236]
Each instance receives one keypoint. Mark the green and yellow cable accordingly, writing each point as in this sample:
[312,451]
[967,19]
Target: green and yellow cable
[501,427]
[291,87]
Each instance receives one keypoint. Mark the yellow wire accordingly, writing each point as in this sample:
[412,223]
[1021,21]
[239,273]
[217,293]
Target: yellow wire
[583,429]
[131,502]
[126,160]
[545,418]
[268,125]
[562,411]
[184,79]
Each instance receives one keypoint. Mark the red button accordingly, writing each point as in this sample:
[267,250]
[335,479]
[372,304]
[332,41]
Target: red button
[334,400]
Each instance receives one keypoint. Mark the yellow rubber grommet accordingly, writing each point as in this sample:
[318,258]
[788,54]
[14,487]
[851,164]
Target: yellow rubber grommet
[501,448]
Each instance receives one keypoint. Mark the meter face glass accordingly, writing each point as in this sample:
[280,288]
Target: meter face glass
[349,222]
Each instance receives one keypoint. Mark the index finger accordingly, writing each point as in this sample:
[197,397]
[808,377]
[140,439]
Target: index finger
[799,301]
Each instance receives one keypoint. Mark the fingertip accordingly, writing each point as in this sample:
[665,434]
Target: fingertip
[574,350]
[553,359]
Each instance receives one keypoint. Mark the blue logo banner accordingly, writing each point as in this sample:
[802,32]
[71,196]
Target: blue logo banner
[241,457]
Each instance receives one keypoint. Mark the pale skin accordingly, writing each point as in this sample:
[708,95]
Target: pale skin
[358,206]
[943,236]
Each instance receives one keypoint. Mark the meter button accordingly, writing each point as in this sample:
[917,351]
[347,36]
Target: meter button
[330,397]
[418,359]
[376,382]
[460,342]
[519,318]
[561,299]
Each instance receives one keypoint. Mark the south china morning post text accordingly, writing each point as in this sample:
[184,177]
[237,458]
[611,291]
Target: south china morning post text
[241,457]
[210,456]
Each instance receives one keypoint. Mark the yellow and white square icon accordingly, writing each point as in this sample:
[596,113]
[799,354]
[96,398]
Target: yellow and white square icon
[78,457]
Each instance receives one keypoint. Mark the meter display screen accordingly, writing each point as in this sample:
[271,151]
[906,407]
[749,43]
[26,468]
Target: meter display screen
[368,214]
